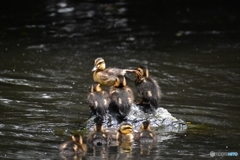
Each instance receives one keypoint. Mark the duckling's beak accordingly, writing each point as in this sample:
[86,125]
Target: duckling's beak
[94,68]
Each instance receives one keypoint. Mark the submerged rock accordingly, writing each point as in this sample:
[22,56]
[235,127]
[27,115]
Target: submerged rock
[161,120]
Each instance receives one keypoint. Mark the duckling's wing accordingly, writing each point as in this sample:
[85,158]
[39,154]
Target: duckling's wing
[90,100]
[104,75]
[106,78]
[130,95]
[98,100]
[155,86]
[106,97]
[115,71]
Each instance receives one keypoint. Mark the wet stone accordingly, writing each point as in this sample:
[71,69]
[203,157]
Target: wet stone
[161,120]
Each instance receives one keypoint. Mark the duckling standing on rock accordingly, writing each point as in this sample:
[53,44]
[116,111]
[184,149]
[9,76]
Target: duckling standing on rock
[107,77]
[147,88]
[73,147]
[98,101]
[145,135]
[99,136]
[121,98]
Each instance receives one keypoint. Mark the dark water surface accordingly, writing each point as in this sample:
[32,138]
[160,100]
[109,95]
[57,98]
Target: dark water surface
[47,51]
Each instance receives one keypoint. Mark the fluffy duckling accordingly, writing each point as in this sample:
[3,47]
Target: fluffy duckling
[145,135]
[147,88]
[121,97]
[98,101]
[125,132]
[73,147]
[99,136]
[107,76]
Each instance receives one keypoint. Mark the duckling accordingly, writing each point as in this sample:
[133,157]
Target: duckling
[99,136]
[125,132]
[107,76]
[145,134]
[98,101]
[148,88]
[73,147]
[121,98]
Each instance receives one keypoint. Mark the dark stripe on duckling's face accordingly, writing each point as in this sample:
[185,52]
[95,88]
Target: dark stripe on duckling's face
[98,60]
[99,64]
[126,129]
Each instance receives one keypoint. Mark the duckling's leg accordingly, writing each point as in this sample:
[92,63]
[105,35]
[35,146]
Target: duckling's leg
[98,120]
[92,112]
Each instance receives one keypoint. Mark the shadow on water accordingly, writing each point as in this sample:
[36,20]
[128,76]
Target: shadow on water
[47,53]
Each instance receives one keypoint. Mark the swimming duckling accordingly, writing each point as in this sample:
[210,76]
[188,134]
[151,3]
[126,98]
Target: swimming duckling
[121,97]
[98,101]
[147,88]
[145,135]
[73,147]
[107,76]
[125,132]
[99,136]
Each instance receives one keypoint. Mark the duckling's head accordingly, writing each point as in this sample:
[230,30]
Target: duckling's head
[99,136]
[96,87]
[145,126]
[120,81]
[77,138]
[98,127]
[126,128]
[99,64]
[146,135]
[143,72]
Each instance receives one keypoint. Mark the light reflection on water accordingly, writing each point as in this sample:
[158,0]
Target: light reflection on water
[46,73]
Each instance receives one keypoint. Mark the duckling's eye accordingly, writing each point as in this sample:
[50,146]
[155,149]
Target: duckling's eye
[140,71]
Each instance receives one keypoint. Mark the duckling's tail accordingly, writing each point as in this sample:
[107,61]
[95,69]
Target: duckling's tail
[125,109]
[153,103]
[101,112]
